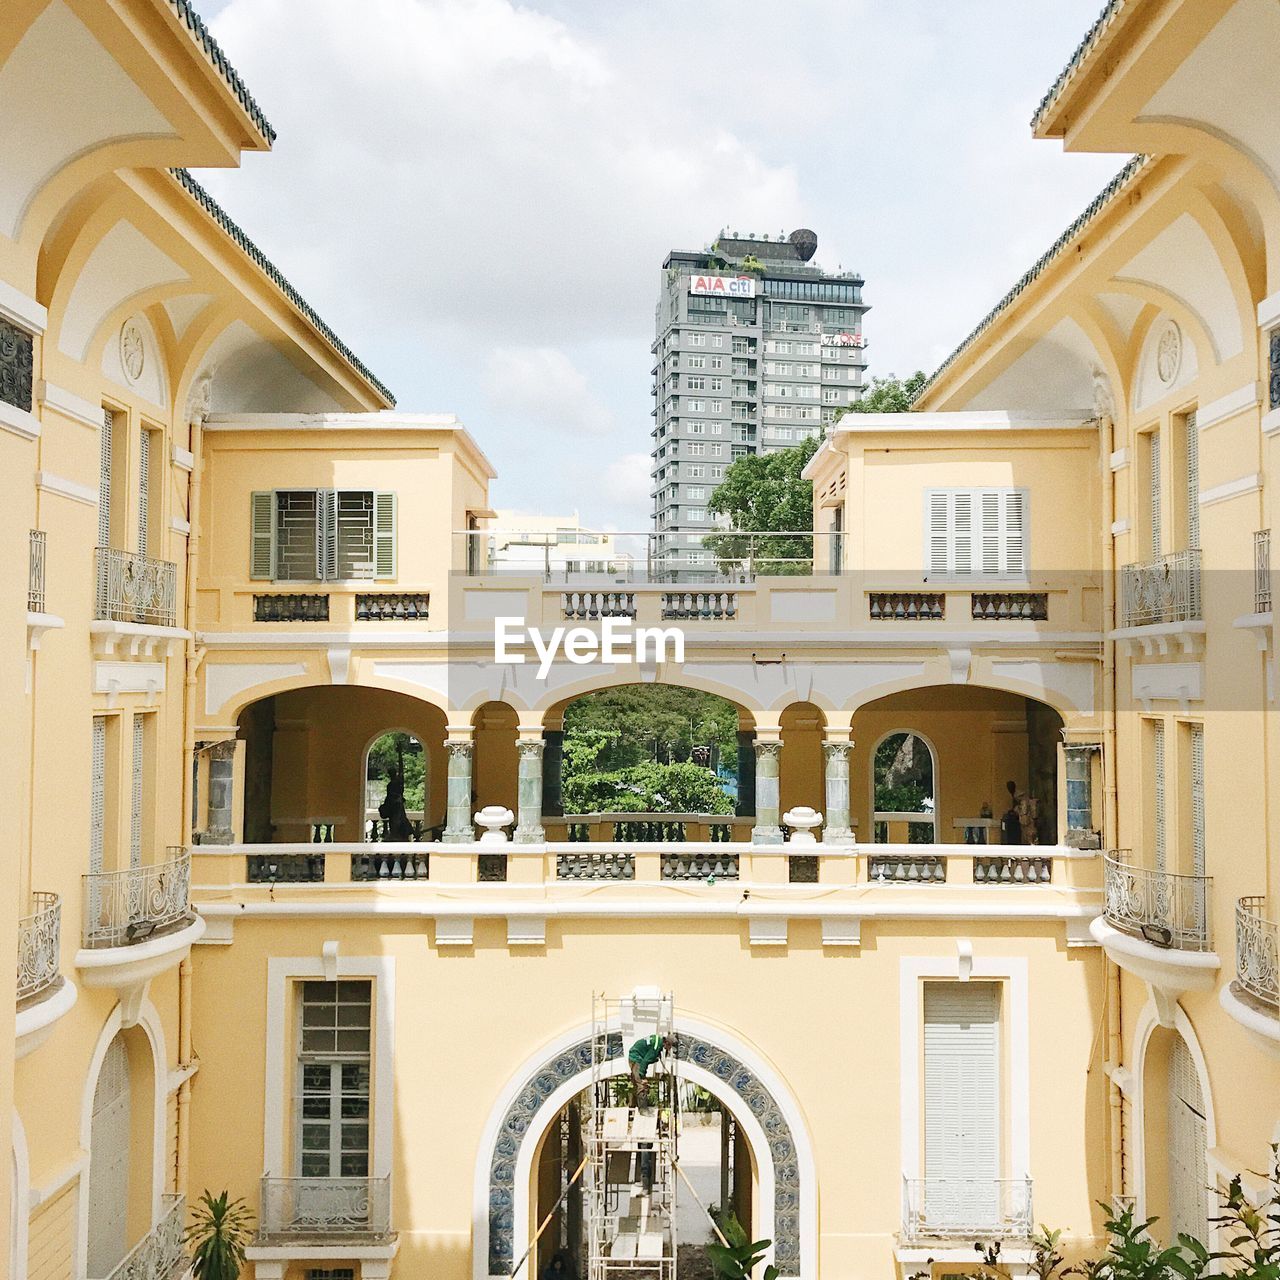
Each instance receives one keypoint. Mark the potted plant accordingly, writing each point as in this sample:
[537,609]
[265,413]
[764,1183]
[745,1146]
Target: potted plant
[220,1229]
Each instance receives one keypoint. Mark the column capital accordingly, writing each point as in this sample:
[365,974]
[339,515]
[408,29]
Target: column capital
[838,749]
[768,747]
[458,749]
[530,746]
[459,732]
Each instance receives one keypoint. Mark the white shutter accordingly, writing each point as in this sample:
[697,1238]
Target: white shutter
[1193,483]
[991,532]
[962,545]
[109,1162]
[104,479]
[144,487]
[1159,791]
[1155,493]
[97,794]
[976,532]
[135,798]
[384,535]
[326,534]
[961,1103]
[1197,799]
[262,534]
[1188,1143]
[939,518]
[1013,532]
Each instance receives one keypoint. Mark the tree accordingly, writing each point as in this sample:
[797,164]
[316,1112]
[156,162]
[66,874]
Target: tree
[889,395]
[764,493]
[646,788]
[220,1229]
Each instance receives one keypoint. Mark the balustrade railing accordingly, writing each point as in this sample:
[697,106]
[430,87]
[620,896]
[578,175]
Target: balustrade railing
[380,864]
[966,1208]
[1010,606]
[700,606]
[700,866]
[135,588]
[1258,951]
[587,606]
[159,1255]
[905,868]
[35,571]
[124,907]
[39,947]
[1161,907]
[1262,571]
[310,606]
[1012,869]
[387,606]
[802,868]
[907,606]
[595,866]
[1163,590]
[315,1207]
[288,868]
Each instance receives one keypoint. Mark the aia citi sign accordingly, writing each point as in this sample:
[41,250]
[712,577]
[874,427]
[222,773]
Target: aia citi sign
[726,286]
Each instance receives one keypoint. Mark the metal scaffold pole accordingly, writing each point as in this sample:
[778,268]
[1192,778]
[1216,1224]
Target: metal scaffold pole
[633,1120]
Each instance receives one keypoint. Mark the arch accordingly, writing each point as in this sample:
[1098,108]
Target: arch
[739,1076]
[364,771]
[1068,701]
[671,675]
[19,1201]
[872,781]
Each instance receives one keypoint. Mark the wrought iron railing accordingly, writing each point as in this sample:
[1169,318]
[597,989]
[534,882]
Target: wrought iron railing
[311,1207]
[1163,590]
[966,1208]
[35,571]
[1262,571]
[907,606]
[159,1255]
[39,946]
[1161,907]
[134,588]
[124,907]
[1257,951]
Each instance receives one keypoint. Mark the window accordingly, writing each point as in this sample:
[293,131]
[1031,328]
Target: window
[1196,732]
[697,472]
[697,514]
[104,478]
[697,428]
[1155,540]
[830,397]
[696,362]
[695,384]
[697,448]
[804,411]
[717,428]
[717,450]
[98,796]
[1191,480]
[697,339]
[976,532]
[717,473]
[717,362]
[109,1152]
[717,340]
[717,384]
[323,535]
[697,492]
[697,406]
[333,1079]
[1159,824]
[137,780]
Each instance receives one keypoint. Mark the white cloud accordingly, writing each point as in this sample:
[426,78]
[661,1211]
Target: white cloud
[625,484]
[541,385]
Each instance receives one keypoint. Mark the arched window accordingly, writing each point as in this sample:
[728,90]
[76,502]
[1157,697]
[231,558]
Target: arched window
[1187,1146]
[109,1162]
[904,790]
[395,787]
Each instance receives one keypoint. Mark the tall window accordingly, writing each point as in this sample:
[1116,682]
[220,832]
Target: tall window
[1160,822]
[1191,479]
[1196,732]
[98,796]
[139,769]
[1187,1146]
[323,535]
[109,1146]
[333,1079]
[104,478]
[976,532]
[1154,468]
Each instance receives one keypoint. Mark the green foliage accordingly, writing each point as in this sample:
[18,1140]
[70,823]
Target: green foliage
[648,787]
[903,772]
[764,493]
[751,263]
[1133,1255]
[739,1258]
[384,764]
[220,1229]
[1252,1235]
[888,395]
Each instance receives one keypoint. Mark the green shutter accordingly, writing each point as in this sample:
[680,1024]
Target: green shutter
[262,538]
[384,535]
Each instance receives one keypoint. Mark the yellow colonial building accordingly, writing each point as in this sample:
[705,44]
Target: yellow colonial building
[1048,590]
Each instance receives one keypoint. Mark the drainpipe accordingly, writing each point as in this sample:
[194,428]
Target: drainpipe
[184,1089]
[194,657]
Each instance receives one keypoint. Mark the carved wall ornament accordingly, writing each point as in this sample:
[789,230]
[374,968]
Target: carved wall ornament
[133,350]
[1169,353]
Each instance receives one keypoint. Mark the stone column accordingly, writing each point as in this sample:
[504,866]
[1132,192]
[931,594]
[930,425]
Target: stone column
[219,827]
[552,762]
[1078,768]
[837,829]
[529,804]
[458,825]
[746,807]
[768,799]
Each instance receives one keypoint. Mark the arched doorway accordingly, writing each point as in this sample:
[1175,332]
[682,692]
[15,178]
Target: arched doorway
[396,787]
[904,789]
[109,1160]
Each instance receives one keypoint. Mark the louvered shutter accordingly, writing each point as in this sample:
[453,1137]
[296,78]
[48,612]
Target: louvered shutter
[326,535]
[938,554]
[989,504]
[262,536]
[1197,799]
[1188,1144]
[97,795]
[384,535]
[104,479]
[1193,483]
[1159,792]
[109,1162]
[961,1103]
[135,796]
[144,488]
[1155,494]
[962,536]
[1013,532]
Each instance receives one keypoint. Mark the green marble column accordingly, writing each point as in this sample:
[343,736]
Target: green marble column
[459,828]
[768,798]
[836,829]
[529,825]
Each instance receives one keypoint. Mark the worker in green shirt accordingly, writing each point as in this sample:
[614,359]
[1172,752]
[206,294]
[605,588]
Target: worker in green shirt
[645,1052]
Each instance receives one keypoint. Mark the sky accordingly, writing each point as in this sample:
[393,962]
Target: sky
[477,195]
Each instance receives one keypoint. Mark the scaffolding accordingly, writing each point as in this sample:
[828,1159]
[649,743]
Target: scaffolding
[631,1132]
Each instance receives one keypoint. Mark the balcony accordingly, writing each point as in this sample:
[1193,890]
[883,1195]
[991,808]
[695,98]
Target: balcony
[159,1255]
[135,589]
[1253,998]
[1156,924]
[43,995]
[966,1209]
[325,1210]
[138,923]
[1162,594]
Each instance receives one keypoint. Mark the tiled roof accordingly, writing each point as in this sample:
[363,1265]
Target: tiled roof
[1078,59]
[268,268]
[1095,207]
[213,51]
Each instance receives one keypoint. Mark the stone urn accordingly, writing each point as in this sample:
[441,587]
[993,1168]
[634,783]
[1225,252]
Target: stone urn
[802,820]
[493,817]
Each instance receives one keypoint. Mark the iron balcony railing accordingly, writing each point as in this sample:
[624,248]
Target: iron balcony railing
[35,571]
[39,947]
[134,588]
[1163,590]
[966,1208]
[124,907]
[313,1207]
[159,1255]
[1161,907]
[1262,571]
[1257,952]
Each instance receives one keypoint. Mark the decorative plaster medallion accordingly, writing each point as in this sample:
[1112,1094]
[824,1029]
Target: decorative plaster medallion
[133,350]
[1169,353]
